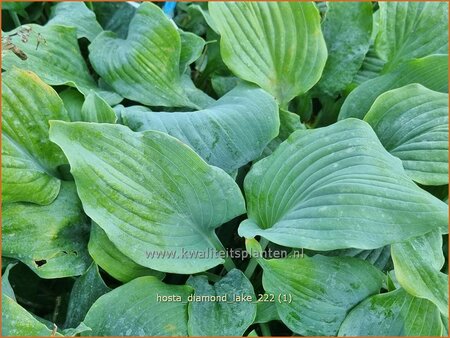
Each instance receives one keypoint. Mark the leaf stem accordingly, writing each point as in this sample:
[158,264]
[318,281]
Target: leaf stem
[228,264]
[265,330]
[15,18]
[253,261]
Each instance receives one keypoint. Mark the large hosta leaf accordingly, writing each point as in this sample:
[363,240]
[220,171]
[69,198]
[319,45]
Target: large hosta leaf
[76,14]
[431,72]
[409,30]
[151,194]
[323,289]
[277,45]
[347,28]
[417,267]
[412,124]
[114,262]
[29,159]
[228,134]
[51,242]
[336,187]
[144,67]
[140,308]
[225,317]
[57,59]
[16,321]
[395,313]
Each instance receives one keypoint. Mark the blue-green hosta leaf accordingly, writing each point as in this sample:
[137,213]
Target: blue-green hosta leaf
[114,16]
[152,194]
[114,262]
[73,101]
[230,317]
[394,313]
[228,134]
[138,309]
[195,95]
[277,45]
[289,122]
[377,257]
[333,188]
[417,264]
[7,289]
[370,68]
[412,124]
[431,72]
[323,290]
[76,14]
[16,321]
[29,159]
[95,109]
[346,28]
[266,312]
[145,67]
[57,59]
[191,48]
[52,243]
[85,291]
[410,30]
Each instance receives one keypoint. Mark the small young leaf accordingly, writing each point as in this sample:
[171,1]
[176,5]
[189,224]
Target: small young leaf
[86,290]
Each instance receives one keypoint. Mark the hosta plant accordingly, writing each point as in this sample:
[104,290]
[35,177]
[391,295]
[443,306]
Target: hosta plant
[224,168]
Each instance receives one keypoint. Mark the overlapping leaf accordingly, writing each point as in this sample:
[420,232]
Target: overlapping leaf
[86,290]
[29,160]
[150,193]
[114,262]
[336,187]
[16,321]
[395,313]
[76,14]
[221,318]
[57,59]
[228,134]
[410,30]
[144,67]
[52,243]
[277,45]
[323,290]
[412,124]
[417,267]
[347,28]
[134,309]
[430,71]
[95,109]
